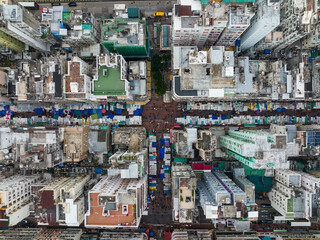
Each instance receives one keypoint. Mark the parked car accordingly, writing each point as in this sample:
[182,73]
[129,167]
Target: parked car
[72,4]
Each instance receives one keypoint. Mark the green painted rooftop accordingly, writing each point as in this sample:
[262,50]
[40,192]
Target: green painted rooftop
[109,84]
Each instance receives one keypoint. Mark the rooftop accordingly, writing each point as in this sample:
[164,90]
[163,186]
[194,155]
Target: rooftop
[109,82]
[124,31]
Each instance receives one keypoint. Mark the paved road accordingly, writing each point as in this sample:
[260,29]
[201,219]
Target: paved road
[105,8]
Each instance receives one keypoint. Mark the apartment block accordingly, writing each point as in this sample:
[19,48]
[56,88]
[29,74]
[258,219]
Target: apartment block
[197,24]
[111,79]
[37,148]
[221,198]
[258,149]
[77,28]
[125,36]
[295,21]
[100,142]
[77,82]
[203,74]
[184,183]
[62,202]
[131,157]
[116,202]
[37,80]
[41,233]
[238,22]
[76,145]
[183,140]
[295,195]
[266,19]
[206,144]
[187,234]
[15,198]
[20,24]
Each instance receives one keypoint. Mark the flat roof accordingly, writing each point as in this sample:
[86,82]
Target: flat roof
[109,84]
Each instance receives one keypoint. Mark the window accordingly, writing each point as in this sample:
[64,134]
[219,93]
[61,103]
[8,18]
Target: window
[188,199]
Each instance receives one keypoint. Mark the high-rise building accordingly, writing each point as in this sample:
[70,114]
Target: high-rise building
[238,22]
[77,82]
[62,202]
[221,198]
[76,143]
[184,183]
[295,21]
[259,149]
[111,78]
[296,195]
[20,24]
[197,24]
[15,198]
[126,36]
[116,202]
[195,234]
[267,18]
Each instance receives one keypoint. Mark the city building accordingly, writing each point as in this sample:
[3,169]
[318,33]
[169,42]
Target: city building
[37,80]
[62,202]
[137,76]
[236,235]
[184,183]
[111,79]
[189,234]
[238,22]
[183,140]
[270,41]
[125,36]
[77,82]
[197,24]
[100,142]
[15,198]
[123,235]
[221,198]
[76,145]
[203,74]
[295,195]
[307,137]
[131,157]
[78,28]
[259,149]
[41,233]
[295,21]
[36,148]
[266,19]
[206,144]
[116,202]
[20,24]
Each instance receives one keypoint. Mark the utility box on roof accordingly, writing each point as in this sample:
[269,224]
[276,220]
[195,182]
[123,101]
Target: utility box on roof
[133,13]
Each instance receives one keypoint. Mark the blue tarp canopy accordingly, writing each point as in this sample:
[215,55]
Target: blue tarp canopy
[90,111]
[283,110]
[3,112]
[72,112]
[98,170]
[136,112]
[278,110]
[38,111]
[118,111]
[99,111]
[161,175]
[110,115]
[154,144]
[214,117]
[161,150]
[162,141]
[223,117]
